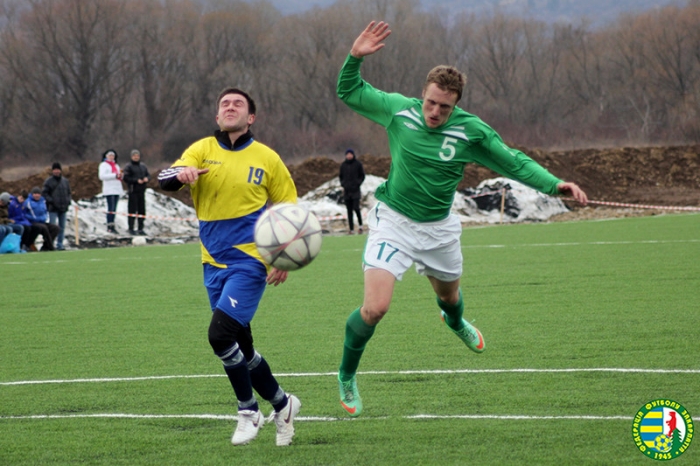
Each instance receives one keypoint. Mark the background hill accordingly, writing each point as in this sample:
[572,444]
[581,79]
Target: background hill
[667,176]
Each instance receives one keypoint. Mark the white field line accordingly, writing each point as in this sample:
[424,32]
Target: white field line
[464,246]
[585,243]
[334,374]
[509,417]
[95,259]
[515,417]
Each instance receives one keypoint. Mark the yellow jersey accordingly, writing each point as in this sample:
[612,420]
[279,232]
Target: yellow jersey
[233,194]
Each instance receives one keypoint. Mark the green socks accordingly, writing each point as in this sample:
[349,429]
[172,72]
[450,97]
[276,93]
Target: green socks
[357,334]
[453,312]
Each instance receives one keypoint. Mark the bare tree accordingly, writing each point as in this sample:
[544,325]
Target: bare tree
[228,48]
[630,97]
[419,41]
[66,55]
[669,51]
[313,47]
[8,84]
[76,75]
[159,66]
[496,55]
[539,82]
[673,70]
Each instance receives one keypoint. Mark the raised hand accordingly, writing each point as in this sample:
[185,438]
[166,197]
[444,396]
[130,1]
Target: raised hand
[371,39]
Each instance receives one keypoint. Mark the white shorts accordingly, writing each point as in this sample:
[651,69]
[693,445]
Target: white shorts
[395,242]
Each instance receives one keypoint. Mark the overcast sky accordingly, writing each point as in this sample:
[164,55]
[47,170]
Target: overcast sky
[598,11]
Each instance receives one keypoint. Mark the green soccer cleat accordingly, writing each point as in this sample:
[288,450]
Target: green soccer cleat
[349,397]
[470,335]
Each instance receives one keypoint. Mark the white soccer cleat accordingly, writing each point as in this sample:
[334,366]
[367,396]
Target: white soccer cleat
[285,421]
[249,423]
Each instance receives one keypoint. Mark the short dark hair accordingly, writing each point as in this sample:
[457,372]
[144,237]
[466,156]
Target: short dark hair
[234,90]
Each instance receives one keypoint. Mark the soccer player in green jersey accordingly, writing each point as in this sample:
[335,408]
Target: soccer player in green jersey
[430,141]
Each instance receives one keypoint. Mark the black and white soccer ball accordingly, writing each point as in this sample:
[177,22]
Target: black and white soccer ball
[288,236]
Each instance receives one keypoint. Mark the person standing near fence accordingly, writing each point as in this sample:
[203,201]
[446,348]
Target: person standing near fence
[57,193]
[352,175]
[111,176]
[136,178]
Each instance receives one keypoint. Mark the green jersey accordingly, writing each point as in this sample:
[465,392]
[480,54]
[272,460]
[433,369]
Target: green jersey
[427,163]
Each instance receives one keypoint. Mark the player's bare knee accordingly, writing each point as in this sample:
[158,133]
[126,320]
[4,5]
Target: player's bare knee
[449,298]
[372,314]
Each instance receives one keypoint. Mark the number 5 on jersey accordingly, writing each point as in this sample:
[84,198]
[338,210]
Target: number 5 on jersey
[448,149]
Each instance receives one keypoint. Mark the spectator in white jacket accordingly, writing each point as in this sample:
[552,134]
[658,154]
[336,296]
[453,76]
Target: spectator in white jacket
[111,176]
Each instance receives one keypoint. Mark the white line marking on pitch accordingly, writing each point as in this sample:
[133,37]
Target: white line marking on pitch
[590,243]
[509,417]
[333,374]
[464,246]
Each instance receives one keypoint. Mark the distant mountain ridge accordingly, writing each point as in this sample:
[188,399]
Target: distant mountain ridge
[599,12]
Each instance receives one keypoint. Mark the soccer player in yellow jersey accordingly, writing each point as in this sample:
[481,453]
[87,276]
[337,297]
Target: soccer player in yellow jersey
[233,178]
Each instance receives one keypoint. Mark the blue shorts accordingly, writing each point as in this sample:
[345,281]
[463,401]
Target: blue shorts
[236,290]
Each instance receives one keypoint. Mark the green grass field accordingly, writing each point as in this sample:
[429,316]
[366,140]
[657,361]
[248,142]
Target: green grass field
[104,357]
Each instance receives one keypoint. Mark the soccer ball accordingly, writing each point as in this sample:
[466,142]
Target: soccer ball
[288,236]
[138,241]
[663,443]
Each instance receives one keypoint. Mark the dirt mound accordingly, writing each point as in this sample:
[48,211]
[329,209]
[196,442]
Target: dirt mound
[313,172]
[650,175]
[83,180]
[653,175]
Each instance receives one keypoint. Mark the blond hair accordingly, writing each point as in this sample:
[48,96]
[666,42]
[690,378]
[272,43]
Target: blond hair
[447,78]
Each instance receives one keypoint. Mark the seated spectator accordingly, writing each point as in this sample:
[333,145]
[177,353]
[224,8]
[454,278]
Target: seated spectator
[38,215]
[16,214]
[5,215]
[4,231]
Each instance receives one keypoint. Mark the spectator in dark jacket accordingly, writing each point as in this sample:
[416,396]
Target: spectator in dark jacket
[16,215]
[352,174]
[5,220]
[136,178]
[58,198]
[37,213]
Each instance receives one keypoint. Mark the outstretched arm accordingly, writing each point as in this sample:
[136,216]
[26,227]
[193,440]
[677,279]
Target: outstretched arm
[370,40]
[174,178]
